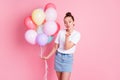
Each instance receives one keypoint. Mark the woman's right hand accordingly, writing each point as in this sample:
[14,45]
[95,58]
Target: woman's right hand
[45,58]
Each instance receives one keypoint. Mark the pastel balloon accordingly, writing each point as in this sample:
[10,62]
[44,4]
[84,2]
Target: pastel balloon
[50,27]
[42,39]
[51,14]
[58,28]
[38,16]
[29,23]
[49,5]
[50,38]
[30,36]
[40,29]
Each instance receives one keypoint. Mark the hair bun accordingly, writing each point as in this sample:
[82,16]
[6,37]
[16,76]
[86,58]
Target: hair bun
[68,14]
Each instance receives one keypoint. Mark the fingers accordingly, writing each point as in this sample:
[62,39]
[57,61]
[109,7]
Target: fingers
[67,34]
[45,58]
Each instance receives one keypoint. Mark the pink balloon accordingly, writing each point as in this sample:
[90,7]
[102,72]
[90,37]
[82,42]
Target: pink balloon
[49,5]
[50,28]
[29,23]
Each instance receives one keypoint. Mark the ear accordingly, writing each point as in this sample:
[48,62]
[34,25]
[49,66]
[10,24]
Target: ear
[73,24]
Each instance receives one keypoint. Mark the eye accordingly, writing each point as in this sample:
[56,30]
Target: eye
[69,21]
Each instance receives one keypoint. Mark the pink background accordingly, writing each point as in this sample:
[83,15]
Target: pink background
[98,53]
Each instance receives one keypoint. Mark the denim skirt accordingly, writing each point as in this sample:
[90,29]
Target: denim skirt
[63,62]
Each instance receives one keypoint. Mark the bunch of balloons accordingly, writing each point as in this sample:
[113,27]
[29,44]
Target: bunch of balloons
[42,25]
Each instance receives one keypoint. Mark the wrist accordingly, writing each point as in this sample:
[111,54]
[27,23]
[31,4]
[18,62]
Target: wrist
[67,36]
[48,57]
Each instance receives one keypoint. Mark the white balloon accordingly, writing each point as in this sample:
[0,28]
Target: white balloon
[30,36]
[51,14]
[50,27]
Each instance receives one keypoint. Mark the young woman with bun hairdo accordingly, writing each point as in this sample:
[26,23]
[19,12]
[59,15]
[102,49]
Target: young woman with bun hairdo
[64,48]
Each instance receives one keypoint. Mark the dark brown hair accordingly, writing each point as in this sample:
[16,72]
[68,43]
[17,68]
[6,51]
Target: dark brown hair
[68,14]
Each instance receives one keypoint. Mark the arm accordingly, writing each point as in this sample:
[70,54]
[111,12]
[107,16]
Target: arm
[52,51]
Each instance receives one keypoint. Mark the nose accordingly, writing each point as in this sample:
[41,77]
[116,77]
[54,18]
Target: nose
[67,24]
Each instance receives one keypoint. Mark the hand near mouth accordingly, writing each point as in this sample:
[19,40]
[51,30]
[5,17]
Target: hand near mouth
[68,32]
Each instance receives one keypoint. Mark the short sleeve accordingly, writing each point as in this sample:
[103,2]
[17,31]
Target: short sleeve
[58,38]
[75,39]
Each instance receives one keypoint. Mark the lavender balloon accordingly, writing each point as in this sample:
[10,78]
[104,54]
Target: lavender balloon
[42,39]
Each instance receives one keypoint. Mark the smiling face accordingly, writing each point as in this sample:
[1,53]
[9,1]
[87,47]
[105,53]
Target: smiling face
[68,22]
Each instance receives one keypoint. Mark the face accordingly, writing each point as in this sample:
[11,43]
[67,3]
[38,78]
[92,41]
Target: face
[68,22]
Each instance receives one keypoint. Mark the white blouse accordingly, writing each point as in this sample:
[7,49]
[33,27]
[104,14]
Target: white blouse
[60,39]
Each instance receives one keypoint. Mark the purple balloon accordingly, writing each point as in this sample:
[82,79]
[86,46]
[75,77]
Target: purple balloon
[42,39]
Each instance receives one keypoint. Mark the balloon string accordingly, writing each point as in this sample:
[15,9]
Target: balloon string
[41,52]
[46,65]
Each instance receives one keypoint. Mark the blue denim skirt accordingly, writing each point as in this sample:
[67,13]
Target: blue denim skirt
[63,62]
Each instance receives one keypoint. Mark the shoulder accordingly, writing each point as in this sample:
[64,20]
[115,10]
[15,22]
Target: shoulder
[62,31]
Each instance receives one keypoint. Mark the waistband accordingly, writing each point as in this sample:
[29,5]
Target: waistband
[57,52]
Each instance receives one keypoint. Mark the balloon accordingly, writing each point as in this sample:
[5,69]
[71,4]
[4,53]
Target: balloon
[38,16]
[30,36]
[29,23]
[49,5]
[50,38]
[42,39]
[58,28]
[40,29]
[50,27]
[51,14]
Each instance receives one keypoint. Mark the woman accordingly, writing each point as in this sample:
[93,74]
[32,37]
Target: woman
[65,45]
